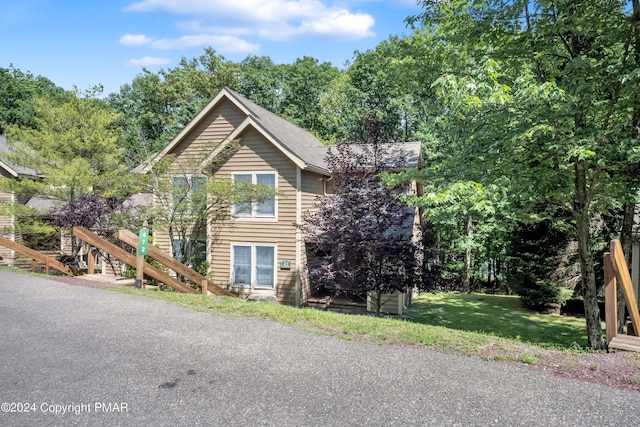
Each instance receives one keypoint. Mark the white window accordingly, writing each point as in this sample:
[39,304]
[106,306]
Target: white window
[265,208]
[253,266]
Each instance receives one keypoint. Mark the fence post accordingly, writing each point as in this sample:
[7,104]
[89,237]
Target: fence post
[205,286]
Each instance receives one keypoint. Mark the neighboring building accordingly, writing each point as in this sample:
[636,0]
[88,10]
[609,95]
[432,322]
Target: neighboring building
[260,252]
[7,219]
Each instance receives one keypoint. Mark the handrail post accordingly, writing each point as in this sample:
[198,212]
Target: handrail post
[91,262]
[610,299]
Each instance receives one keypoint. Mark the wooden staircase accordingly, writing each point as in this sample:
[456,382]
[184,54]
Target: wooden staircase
[616,270]
[124,256]
[132,240]
[48,261]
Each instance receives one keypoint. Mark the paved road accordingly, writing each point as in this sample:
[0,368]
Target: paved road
[113,359]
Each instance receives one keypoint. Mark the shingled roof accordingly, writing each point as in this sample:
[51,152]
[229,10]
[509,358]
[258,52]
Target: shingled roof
[298,141]
[299,145]
[14,170]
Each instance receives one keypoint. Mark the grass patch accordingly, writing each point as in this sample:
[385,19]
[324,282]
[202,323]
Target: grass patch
[352,327]
[489,344]
[501,315]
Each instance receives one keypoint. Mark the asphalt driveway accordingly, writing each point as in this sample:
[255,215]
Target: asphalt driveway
[73,355]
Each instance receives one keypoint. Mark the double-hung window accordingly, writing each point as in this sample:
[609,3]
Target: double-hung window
[265,207]
[254,266]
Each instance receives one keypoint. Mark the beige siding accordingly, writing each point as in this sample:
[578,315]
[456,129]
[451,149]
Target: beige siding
[6,226]
[392,303]
[208,134]
[196,146]
[312,188]
[257,155]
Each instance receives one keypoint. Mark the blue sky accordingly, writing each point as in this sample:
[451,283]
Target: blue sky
[87,42]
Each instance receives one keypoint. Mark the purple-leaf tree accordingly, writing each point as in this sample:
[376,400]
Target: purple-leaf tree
[362,235]
[85,211]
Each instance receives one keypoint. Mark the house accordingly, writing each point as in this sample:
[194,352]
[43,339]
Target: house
[259,252]
[7,197]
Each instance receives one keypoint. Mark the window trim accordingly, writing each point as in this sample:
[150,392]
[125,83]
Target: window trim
[254,205]
[253,272]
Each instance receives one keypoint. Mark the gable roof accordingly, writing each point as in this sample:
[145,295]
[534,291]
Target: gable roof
[14,170]
[299,145]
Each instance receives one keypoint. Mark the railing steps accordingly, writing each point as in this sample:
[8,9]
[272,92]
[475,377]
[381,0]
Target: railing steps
[625,342]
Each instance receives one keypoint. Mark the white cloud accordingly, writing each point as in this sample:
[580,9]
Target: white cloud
[134,40]
[148,61]
[201,27]
[339,23]
[275,19]
[222,44]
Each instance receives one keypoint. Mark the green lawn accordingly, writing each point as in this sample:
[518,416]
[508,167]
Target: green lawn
[501,315]
[486,325]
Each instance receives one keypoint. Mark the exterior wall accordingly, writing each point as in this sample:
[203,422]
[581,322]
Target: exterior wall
[313,186]
[195,147]
[258,155]
[208,134]
[392,303]
[295,188]
[7,228]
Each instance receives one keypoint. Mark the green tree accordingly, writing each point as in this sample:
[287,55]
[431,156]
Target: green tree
[73,149]
[262,81]
[306,81]
[548,107]
[17,93]
[156,106]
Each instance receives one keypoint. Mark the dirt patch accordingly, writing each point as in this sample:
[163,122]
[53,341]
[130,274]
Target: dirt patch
[617,369]
[74,281]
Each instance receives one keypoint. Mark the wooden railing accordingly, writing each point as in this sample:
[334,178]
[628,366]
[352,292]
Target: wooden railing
[124,256]
[37,257]
[132,240]
[616,271]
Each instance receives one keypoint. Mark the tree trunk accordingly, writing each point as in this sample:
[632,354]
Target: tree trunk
[468,232]
[587,267]
[75,250]
[378,302]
